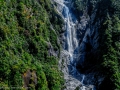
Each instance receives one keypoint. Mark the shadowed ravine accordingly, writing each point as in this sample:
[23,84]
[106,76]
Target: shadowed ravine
[69,54]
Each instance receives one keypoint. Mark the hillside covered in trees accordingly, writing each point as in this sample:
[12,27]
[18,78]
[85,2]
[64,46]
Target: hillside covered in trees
[30,44]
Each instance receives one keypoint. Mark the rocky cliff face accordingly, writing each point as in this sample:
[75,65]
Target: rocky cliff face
[87,28]
[89,42]
[80,42]
[89,46]
[79,46]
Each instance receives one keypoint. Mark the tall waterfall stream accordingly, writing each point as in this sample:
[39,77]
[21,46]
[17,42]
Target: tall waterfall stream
[67,64]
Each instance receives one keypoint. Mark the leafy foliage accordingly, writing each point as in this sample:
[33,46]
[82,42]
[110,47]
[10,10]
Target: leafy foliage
[24,36]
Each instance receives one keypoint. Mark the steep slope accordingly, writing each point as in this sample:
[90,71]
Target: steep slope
[69,53]
[29,49]
[88,30]
[73,79]
[96,53]
[101,41]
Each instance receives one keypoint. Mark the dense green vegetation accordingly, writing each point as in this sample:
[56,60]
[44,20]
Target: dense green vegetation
[26,37]
[108,13]
[110,43]
[29,29]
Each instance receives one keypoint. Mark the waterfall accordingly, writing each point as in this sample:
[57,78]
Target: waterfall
[73,79]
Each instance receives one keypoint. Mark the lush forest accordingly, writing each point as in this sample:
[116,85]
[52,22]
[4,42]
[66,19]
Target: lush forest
[108,63]
[26,39]
[110,43]
[29,47]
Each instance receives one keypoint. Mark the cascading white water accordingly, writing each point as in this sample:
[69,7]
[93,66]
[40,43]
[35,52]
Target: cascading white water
[71,34]
[73,79]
